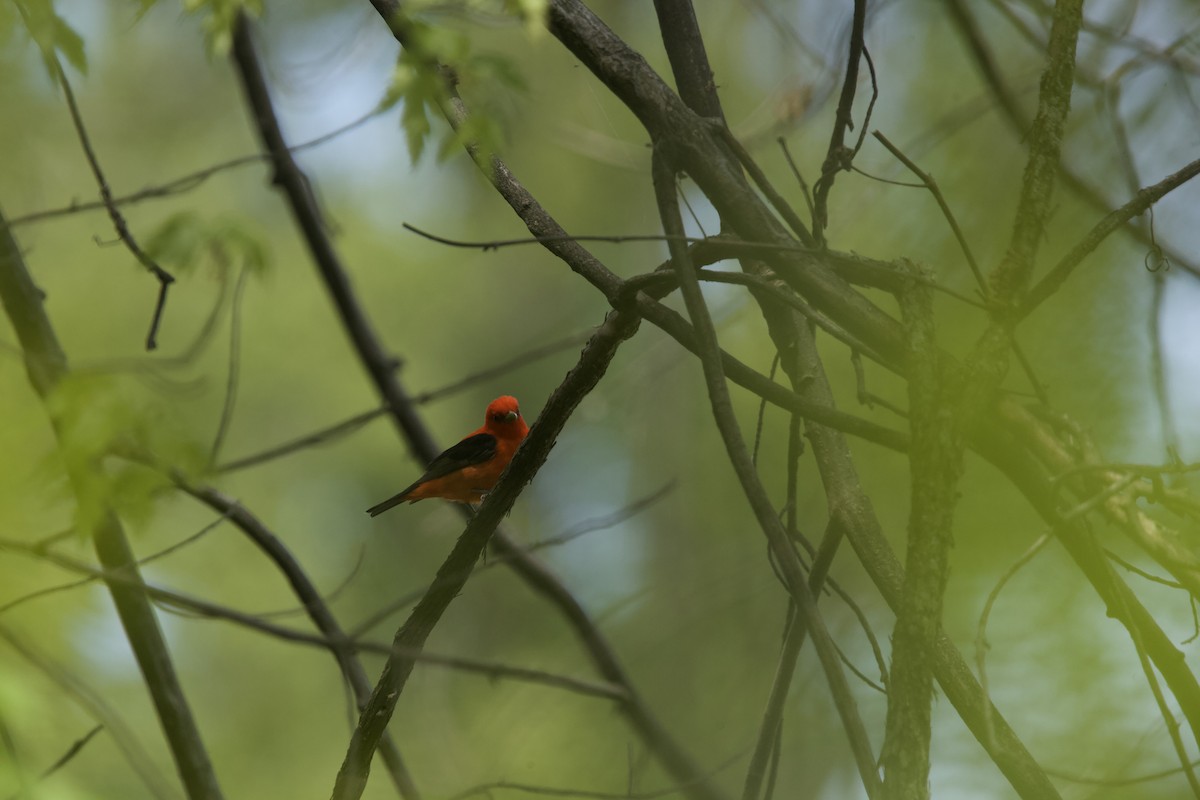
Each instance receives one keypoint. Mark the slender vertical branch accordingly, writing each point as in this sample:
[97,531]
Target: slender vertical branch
[1010,278]
[936,459]
[46,364]
[838,156]
[381,367]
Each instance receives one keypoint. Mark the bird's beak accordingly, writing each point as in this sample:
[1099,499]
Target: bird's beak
[511,416]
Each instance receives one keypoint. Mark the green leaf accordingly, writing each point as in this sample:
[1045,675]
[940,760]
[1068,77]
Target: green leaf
[480,130]
[108,425]
[531,12]
[178,242]
[242,246]
[497,69]
[52,35]
[415,120]
[184,241]
[70,44]
[217,19]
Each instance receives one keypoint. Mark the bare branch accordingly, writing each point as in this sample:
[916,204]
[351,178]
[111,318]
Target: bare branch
[1010,279]
[718,394]
[1113,221]
[936,457]
[188,182]
[838,157]
[165,279]
[314,605]
[932,186]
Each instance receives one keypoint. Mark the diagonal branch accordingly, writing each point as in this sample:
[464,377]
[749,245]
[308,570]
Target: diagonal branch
[314,605]
[1114,220]
[288,176]
[456,569]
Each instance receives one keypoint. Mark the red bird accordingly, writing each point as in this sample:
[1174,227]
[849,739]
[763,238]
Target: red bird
[469,469]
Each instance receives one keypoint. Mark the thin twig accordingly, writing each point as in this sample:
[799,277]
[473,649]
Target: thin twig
[933,188]
[206,609]
[839,156]
[1116,559]
[981,642]
[762,413]
[188,182]
[41,547]
[723,247]
[764,185]
[496,244]
[787,154]
[234,369]
[72,751]
[502,555]
[75,749]
[165,279]
[352,424]
[1113,221]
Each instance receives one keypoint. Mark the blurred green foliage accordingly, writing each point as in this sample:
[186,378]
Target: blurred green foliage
[683,590]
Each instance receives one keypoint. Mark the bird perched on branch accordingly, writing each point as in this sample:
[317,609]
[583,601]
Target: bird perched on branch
[469,469]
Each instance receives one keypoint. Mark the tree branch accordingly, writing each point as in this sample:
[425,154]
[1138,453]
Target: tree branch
[314,605]
[1111,222]
[936,464]
[456,569]
[837,158]
[165,279]
[718,394]
[1010,279]
[46,364]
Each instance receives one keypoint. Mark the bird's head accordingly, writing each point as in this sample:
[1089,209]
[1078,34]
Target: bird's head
[503,413]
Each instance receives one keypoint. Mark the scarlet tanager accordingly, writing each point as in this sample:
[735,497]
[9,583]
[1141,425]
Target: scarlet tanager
[469,469]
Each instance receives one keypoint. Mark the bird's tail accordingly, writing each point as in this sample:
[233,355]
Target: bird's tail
[391,502]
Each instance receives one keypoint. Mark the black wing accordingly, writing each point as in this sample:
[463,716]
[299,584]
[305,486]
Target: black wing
[471,450]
